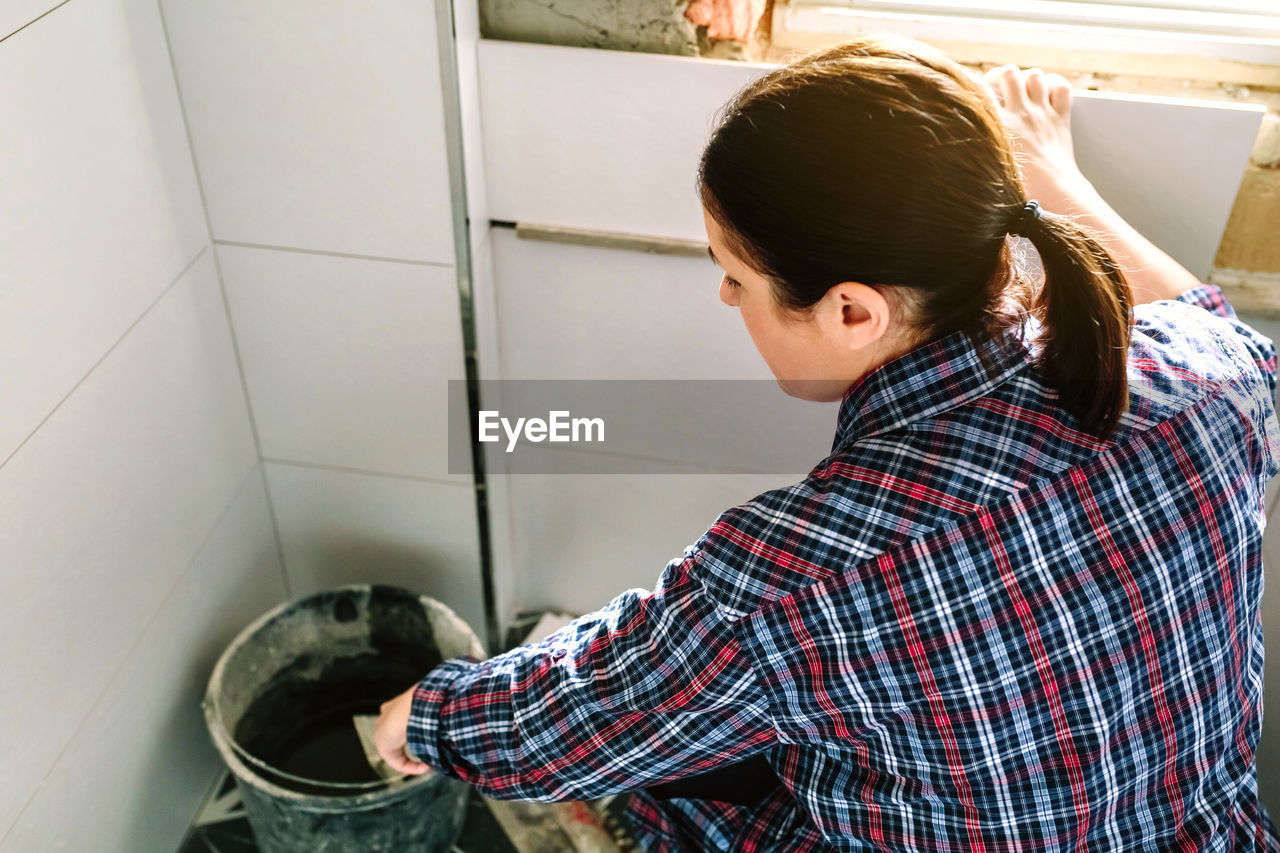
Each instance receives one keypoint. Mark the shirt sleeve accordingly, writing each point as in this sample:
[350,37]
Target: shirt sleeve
[652,687]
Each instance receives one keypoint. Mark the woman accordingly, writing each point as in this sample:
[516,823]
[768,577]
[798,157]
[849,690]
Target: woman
[1017,607]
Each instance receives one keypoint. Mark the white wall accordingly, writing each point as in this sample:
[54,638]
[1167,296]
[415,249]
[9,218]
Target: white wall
[319,137]
[134,530]
[230,305]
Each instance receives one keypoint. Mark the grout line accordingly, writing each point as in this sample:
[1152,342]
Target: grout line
[343,469]
[33,20]
[146,311]
[222,289]
[133,647]
[359,257]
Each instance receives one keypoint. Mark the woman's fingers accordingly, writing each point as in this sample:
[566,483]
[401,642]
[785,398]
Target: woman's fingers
[1034,80]
[404,764]
[390,734]
[1016,89]
[1059,93]
[1008,86]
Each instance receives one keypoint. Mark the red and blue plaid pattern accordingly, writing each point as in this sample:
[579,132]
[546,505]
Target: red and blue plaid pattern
[971,627]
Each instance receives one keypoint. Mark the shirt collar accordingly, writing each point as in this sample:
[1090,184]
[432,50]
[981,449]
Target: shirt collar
[937,376]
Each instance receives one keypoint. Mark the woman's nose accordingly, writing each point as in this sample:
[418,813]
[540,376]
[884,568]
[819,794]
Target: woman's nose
[728,294]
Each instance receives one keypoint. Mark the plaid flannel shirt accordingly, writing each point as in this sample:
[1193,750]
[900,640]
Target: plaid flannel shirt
[971,627]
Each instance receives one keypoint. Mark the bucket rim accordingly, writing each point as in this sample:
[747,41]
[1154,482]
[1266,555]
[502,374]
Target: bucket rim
[231,751]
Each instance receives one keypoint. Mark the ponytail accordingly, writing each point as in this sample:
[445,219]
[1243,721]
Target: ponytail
[1084,308]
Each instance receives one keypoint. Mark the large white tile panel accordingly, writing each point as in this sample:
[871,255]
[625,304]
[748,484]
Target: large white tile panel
[318,125]
[338,527]
[1171,167]
[104,508]
[347,360]
[638,121]
[134,774]
[101,210]
[581,539]
[583,312]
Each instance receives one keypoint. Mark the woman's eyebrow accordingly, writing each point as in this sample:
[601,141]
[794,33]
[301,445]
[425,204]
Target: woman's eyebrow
[713,257]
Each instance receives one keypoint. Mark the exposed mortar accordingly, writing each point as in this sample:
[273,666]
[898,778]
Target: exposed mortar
[720,29]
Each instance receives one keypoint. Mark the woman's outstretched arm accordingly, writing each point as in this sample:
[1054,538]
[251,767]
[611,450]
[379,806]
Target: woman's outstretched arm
[650,688]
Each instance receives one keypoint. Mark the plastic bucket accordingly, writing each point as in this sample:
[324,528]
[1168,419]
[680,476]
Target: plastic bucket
[279,706]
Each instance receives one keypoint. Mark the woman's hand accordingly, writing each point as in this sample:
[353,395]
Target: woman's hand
[1037,108]
[390,734]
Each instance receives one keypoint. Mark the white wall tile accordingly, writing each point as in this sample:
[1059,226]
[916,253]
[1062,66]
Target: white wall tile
[582,312]
[581,539]
[318,125]
[104,508]
[338,528]
[133,775]
[630,162]
[1170,167]
[101,209]
[347,360]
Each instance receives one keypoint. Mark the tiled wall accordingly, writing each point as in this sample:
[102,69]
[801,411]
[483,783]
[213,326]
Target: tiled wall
[134,529]
[319,137]
[229,304]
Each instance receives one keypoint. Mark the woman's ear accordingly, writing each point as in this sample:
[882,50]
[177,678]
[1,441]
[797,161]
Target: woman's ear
[856,315]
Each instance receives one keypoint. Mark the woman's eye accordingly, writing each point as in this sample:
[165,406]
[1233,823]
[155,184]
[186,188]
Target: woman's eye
[731,282]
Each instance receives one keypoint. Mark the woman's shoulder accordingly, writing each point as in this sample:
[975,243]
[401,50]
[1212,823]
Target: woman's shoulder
[1182,349]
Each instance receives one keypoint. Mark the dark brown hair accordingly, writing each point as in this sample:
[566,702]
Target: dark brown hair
[882,161]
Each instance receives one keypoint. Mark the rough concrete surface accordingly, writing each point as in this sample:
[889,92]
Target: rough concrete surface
[1250,241]
[722,29]
[1266,152]
[650,26]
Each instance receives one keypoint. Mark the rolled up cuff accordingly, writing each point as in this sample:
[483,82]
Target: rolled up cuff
[429,698]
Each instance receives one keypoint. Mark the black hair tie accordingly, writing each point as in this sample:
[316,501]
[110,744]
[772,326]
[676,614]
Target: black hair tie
[1026,221]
